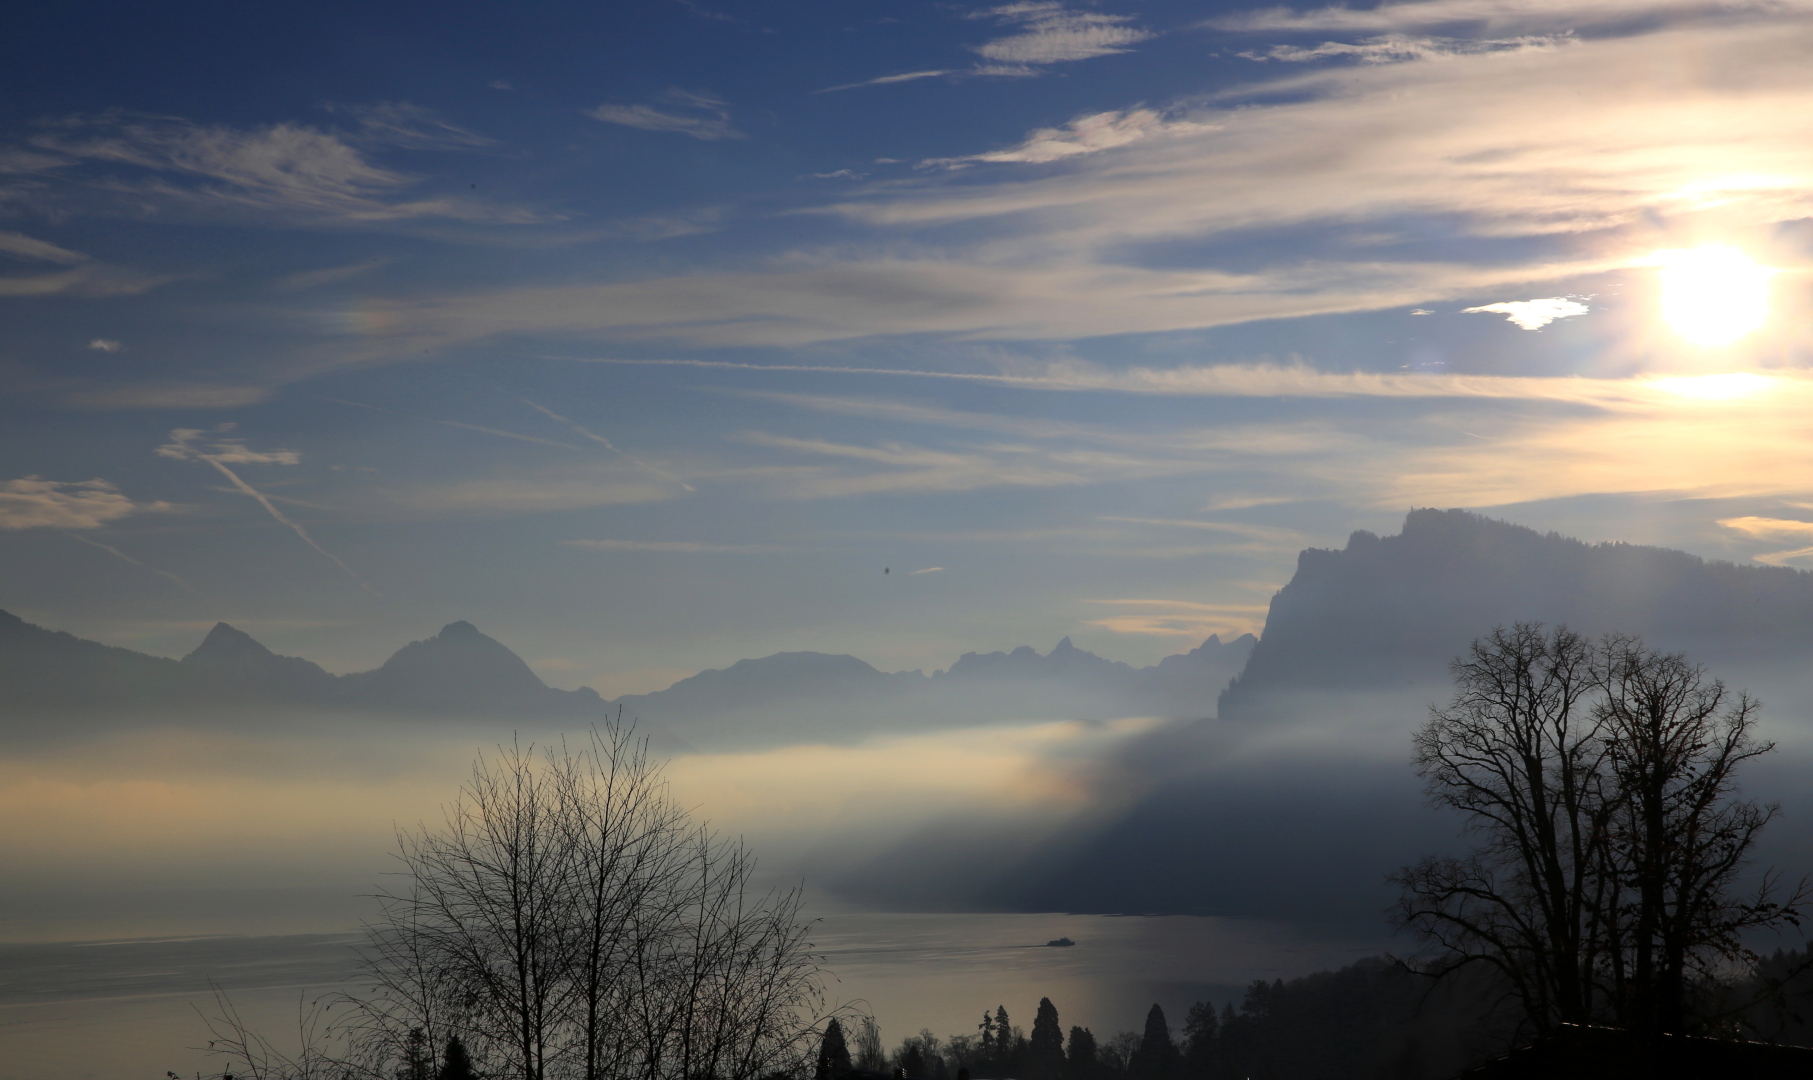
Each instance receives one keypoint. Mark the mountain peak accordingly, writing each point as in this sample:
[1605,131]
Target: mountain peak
[226,644]
[456,668]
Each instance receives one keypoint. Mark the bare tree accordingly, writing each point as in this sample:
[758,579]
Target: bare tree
[569,921]
[1518,752]
[1680,837]
[1599,781]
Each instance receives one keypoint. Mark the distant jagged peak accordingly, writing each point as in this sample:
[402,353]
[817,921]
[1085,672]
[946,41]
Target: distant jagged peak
[227,642]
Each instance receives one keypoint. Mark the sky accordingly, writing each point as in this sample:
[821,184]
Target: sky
[654,335]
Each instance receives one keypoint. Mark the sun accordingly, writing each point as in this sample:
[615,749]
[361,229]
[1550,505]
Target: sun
[1713,295]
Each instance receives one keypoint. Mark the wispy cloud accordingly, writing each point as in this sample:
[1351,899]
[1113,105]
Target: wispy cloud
[86,279]
[927,570]
[1488,14]
[1531,314]
[222,449]
[118,554]
[168,395]
[1047,32]
[901,467]
[530,492]
[1279,381]
[1268,533]
[329,275]
[687,112]
[106,345]
[1493,147]
[119,164]
[681,547]
[407,126]
[587,433]
[1085,135]
[21,246]
[1183,618]
[887,80]
[32,502]
[1398,48]
[1777,529]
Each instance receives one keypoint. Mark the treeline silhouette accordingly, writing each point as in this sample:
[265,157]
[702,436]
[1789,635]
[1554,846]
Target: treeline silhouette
[1372,1020]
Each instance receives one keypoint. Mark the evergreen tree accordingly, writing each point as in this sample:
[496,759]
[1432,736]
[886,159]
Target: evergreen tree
[986,1048]
[1201,1031]
[1004,1040]
[456,1064]
[1156,1058]
[835,1049]
[418,1059]
[1045,1053]
[1080,1063]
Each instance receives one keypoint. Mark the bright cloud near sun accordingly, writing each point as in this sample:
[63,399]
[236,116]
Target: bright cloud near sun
[1532,314]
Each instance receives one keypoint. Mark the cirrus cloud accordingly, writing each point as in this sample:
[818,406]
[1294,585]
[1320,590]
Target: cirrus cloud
[33,502]
[1050,33]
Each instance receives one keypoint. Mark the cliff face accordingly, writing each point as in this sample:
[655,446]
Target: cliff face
[1394,610]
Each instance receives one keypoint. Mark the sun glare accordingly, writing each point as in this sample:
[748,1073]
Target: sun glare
[1726,387]
[1713,295]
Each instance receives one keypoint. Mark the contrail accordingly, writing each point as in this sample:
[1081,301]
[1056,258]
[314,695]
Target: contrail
[457,424]
[607,444]
[278,514]
[179,449]
[117,553]
[579,429]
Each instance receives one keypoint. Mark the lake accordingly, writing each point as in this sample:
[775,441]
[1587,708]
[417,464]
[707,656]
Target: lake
[125,1010]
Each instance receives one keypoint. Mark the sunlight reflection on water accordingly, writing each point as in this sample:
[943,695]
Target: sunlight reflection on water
[114,1011]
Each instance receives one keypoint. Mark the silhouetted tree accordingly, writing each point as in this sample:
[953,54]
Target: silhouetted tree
[1117,1054]
[1679,835]
[985,1037]
[418,1057]
[869,1053]
[1080,1062]
[567,919]
[1156,1058]
[921,1055]
[1201,1031]
[1599,779]
[455,1063]
[834,1049]
[1045,1050]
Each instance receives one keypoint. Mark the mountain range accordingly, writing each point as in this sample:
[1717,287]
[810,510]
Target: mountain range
[461,671]
[1282,792]
[1383,613]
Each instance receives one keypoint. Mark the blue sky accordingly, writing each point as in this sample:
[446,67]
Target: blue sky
[646,335]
